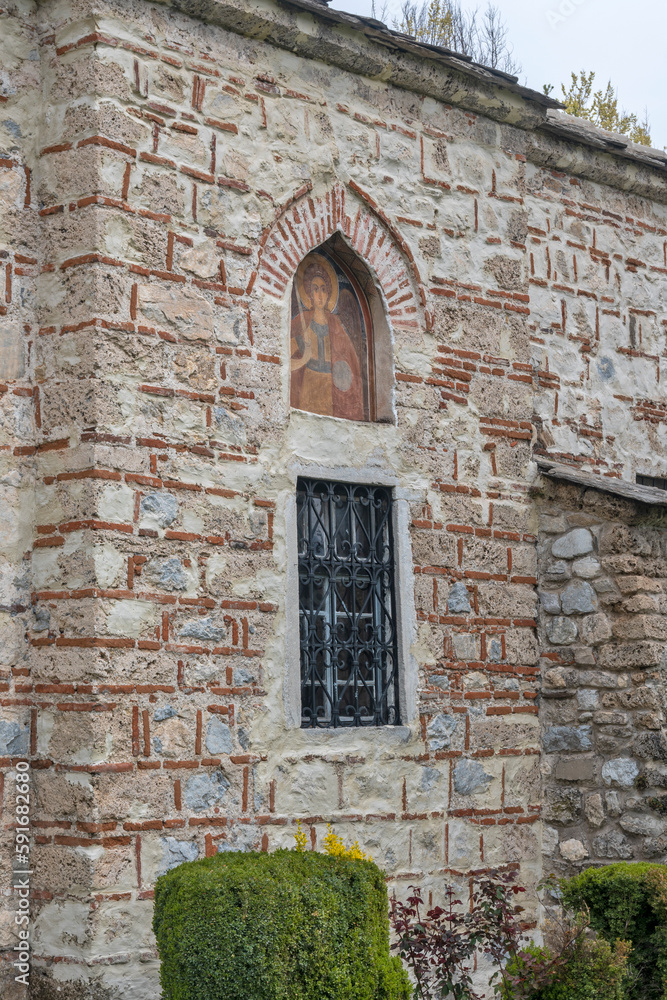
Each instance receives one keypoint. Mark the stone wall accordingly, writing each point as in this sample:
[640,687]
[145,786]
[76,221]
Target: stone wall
[161,175]
[603,576]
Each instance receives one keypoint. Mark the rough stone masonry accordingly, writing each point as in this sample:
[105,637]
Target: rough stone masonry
[164,168]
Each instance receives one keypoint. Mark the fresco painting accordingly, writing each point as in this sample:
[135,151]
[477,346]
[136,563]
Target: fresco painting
[329,341]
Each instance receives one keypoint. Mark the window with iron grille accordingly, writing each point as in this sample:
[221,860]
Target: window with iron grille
[347,617]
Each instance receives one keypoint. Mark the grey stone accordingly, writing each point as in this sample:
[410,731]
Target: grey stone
[656,848]
[562,804]
[597,678]
[575,543]
[202,628]
[651,746]
[14,738]
[440,730]
[588,567]
[641,825]
[168,573]
[561,631]
[157,745]
[42,619]
[593,809]
[655,778]
[495,651]
[612,845]
[556,739]
[458,599]
[606,370]
[470,777]
[595,629]
[587,699]
[430,777]
[550,601]
[621,771]
[175,852]
[218,737]
[575,769]
[613,803]
[549,840]
[557,570]
[204,791]
[160,507]
[579,598]
[160,714]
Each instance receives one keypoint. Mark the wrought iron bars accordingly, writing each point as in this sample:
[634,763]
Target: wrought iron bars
[347,618]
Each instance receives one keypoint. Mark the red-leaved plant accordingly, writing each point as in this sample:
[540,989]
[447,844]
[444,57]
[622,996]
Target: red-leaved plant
[439,945]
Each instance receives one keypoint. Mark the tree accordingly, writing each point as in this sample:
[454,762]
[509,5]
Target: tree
[445,23]
[601,108]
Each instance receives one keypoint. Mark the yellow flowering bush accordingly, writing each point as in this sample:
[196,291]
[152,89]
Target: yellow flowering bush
[333,845]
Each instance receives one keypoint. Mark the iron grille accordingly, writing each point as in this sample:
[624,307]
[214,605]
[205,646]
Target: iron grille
[347,617]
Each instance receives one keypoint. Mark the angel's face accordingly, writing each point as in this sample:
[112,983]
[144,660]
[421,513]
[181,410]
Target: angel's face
[319,293]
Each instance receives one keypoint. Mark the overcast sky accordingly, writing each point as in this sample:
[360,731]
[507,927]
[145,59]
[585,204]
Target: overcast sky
[622,41]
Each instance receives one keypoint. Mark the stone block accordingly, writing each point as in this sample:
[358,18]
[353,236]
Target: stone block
[593,809]
[577,542]
[550,602]
[561,631]
[587,568]
[567,738]
[572,850]
[612,845]
[578,598]
[575,769]
[440,731]
[622,772]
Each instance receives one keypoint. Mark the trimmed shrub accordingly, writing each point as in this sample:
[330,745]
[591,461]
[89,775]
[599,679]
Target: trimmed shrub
[290,925]
[628,902]
[593,971]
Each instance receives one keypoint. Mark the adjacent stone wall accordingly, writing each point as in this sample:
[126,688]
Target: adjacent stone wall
[160,179]
[603,624]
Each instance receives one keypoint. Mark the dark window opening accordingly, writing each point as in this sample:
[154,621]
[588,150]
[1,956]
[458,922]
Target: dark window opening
[655,481]
[347,616]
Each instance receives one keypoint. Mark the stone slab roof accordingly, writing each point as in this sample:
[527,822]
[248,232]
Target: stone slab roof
[618,487]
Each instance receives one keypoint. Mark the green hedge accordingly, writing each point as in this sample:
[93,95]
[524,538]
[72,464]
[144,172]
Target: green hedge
[595,971]
[284,926]
[629,902]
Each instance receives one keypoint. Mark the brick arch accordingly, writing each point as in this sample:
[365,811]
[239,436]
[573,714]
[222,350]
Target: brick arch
[308,221]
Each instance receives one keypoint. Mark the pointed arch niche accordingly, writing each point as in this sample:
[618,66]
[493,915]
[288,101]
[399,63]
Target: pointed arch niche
[340,340]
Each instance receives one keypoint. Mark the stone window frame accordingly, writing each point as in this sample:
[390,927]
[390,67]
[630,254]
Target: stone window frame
[406,614]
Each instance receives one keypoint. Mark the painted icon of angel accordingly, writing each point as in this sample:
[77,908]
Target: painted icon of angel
[326,371]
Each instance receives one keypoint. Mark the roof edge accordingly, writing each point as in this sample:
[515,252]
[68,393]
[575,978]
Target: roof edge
[618,487]
[366,47]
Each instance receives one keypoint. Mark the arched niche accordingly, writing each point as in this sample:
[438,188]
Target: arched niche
[340,340]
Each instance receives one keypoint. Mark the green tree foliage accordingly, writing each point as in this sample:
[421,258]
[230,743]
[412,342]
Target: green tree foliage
[292,925]
[601,108]
[446,23]
[629,902]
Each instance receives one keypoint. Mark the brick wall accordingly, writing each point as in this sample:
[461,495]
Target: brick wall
[166,177]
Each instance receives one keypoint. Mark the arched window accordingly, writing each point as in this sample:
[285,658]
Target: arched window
[340,345]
